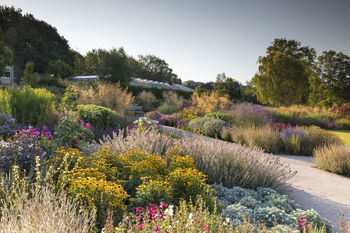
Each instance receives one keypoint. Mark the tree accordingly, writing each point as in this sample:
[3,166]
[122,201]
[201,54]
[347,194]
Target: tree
[6,55]
[93,61]
[114,66]
[232,87]
[331,82]
[282,80]
[153,68]
[60,69]
[33,40]
[79,63]
[29,76]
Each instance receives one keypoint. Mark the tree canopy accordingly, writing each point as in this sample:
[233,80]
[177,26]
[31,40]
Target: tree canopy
[33,40]
[6,55]
[283,77]
[153,68]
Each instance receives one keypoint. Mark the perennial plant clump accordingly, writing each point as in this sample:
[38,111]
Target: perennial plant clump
[207,126]
[7,125]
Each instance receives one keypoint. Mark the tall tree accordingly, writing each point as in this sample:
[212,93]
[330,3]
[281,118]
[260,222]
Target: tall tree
[93,61]
[232,87]
[60,69]
[332,78]
[281,80]
[276,75]
[5,54]
[79,63]
[33,40]
[153,68]
[114,66]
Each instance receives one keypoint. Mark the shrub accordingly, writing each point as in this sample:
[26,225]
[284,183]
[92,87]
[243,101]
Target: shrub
[207,126]
[264,205]
[69,100]
[147,100]
[246,115]
[7,124]
[226,163]
[173,121]
[107,95]
[23,148]
[210,102]
[154,116]
[5,101]
[171,104]
[30,106]
[343,123]
[100,117]
[221,116]
[226,134]
[72,134]
[29,76]
[315,137]
[264,137]
[44,212]
[333,158]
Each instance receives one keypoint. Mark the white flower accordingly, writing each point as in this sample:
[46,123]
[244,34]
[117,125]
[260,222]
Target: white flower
[190,216]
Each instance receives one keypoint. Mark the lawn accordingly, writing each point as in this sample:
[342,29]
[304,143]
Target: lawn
[343,135]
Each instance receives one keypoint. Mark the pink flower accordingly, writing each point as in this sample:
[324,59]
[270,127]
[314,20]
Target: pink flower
[138,209]
[156,228]
[82,122]
[88,125]
[140,225]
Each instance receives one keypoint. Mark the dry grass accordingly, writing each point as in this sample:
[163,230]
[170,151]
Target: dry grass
[210,102]
[107,95]
[44,212]
[333,158]
[264,137]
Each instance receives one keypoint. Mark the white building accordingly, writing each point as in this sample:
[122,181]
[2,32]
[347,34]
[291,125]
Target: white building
[8,77]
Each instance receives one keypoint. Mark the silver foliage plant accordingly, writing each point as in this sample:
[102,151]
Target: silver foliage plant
[224,163]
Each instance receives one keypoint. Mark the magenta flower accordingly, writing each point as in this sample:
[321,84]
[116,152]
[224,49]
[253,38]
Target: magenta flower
[88,125]
[156,228]
[82,122]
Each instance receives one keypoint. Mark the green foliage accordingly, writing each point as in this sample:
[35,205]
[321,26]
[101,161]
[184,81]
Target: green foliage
[114,67]
[157,92]
[29,106]
[147,100]
[207,126]
[69,100]
[221,116]
[5,101]
[6,55]
[60,69]
[281,80]
[100,117]
[332,78]
[229,86]
[32,40]
[171,104]
[30,77]
[70,133]
[153,68]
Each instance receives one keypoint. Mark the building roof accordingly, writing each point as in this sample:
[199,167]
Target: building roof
[157,84]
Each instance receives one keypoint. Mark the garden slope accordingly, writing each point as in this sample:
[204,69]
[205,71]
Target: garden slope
[311,188]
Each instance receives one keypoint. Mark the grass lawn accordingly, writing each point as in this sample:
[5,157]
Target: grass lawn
[343,135]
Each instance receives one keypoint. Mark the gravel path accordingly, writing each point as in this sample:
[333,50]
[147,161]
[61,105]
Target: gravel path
[312,188]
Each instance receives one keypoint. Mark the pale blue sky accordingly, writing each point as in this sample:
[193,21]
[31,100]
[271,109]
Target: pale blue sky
[198,38]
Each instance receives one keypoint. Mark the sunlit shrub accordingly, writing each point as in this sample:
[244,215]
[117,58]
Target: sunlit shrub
[100,117]
[147,100]
[207,126]
[171,104]
[107,95]
[334,158]
[210,102]
[70,133]
[264,137]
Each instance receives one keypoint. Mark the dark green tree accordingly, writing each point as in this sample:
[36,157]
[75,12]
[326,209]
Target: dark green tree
[33,40]
[331,81]
[60,69]
[93,61]
[282,80]
[6,55]
[114,67]
[231,86]
[79,63]
[153,68]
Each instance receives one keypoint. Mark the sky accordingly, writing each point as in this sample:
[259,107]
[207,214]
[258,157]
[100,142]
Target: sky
[197,38]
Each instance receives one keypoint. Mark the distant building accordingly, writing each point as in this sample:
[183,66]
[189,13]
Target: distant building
[156,84]
[86,78]
[9,76]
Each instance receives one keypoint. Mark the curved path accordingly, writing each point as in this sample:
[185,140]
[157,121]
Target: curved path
[311,188]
